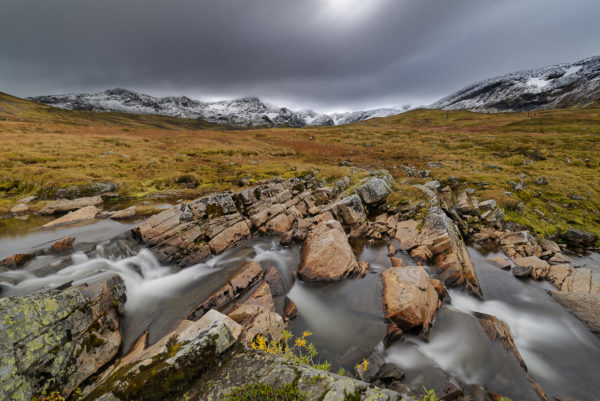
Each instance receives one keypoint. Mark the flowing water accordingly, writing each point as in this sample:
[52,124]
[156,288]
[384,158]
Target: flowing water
[347,318]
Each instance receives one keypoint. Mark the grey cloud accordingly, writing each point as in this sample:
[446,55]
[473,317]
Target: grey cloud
[321,54]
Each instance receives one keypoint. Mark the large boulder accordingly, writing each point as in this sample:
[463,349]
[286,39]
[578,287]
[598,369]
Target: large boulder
[166,369]
[327,255]
[350,210]
[579,238]
[66,205]
[441,242]
[57,339]
[409,298]
[376,189]
[83,214]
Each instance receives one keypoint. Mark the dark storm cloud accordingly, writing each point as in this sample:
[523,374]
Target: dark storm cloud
[324,54]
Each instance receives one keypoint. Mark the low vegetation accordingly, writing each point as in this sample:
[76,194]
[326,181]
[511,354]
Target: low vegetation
[542,168]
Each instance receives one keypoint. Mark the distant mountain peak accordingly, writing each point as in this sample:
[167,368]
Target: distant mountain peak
[556,86]
[247,111]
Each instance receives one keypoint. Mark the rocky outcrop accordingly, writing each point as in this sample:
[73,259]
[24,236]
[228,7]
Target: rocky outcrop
[57,339]
[191,232]
[440,242]
[83,214]
[66,205]
[407,233]
[327,255]
[519,244]
[539,268]
[165,370]
[257,315]
[245,276]
[579,238]
[104,189]
[409,298]
[497,330]
[585,306]
[275,372]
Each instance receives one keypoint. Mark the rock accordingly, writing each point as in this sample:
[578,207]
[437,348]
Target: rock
[19,208]
[327,255]
[522,271]
[342,183]
[413,172]
[57,339]
[407,234]
[65,205]
[274,280]
[558,274]
[497,330]
[441,242]
[287,238]
[166,369]
[244,181]
[277,371]
[440,289]
[104,189]
[541,181]
[391,249]
[279,224]
[409,298]
[63,245]
[550,246]
[586,307]
[500,262]
[579,238]
[124,214]
[539,267]
[397,262]
[558,259]
[245,276]
[83,214]
[518,244]
[582,281]
[488,205]
[257,315]
[375,190]
[290,310]
[350,211]
[229,237]
[16,261]
[375,362]
[28,199]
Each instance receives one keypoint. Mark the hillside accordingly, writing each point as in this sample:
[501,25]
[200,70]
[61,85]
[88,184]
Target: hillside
[557,86]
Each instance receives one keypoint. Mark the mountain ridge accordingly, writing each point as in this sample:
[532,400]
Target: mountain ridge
[556,86]
[247,111]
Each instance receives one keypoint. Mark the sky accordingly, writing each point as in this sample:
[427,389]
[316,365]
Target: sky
[326,55]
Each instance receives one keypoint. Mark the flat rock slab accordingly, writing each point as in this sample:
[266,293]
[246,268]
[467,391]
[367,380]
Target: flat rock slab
[327,255]
[66,205]
[407,233]
[539,267]
[586,307]
[83,214]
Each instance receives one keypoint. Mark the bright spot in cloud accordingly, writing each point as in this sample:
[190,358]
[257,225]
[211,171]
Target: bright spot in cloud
[347,10]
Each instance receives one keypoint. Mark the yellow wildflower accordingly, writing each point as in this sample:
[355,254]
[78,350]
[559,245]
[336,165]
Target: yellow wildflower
[300,342]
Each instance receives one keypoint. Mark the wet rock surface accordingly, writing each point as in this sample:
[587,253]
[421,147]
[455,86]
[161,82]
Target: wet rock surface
[66,205]
[409,298]
[327,255]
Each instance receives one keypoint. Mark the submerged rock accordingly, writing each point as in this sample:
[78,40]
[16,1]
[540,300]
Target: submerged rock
[409,298]
[57,339]
[327,255]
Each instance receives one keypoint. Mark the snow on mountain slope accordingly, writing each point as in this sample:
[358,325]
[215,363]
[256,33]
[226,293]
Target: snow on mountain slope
[247,112]
[562,85]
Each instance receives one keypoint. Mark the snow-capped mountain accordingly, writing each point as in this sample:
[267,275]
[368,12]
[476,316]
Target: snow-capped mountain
[246,112]
[561,85]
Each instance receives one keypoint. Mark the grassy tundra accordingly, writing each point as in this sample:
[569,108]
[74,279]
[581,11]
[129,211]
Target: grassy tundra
[44,147]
